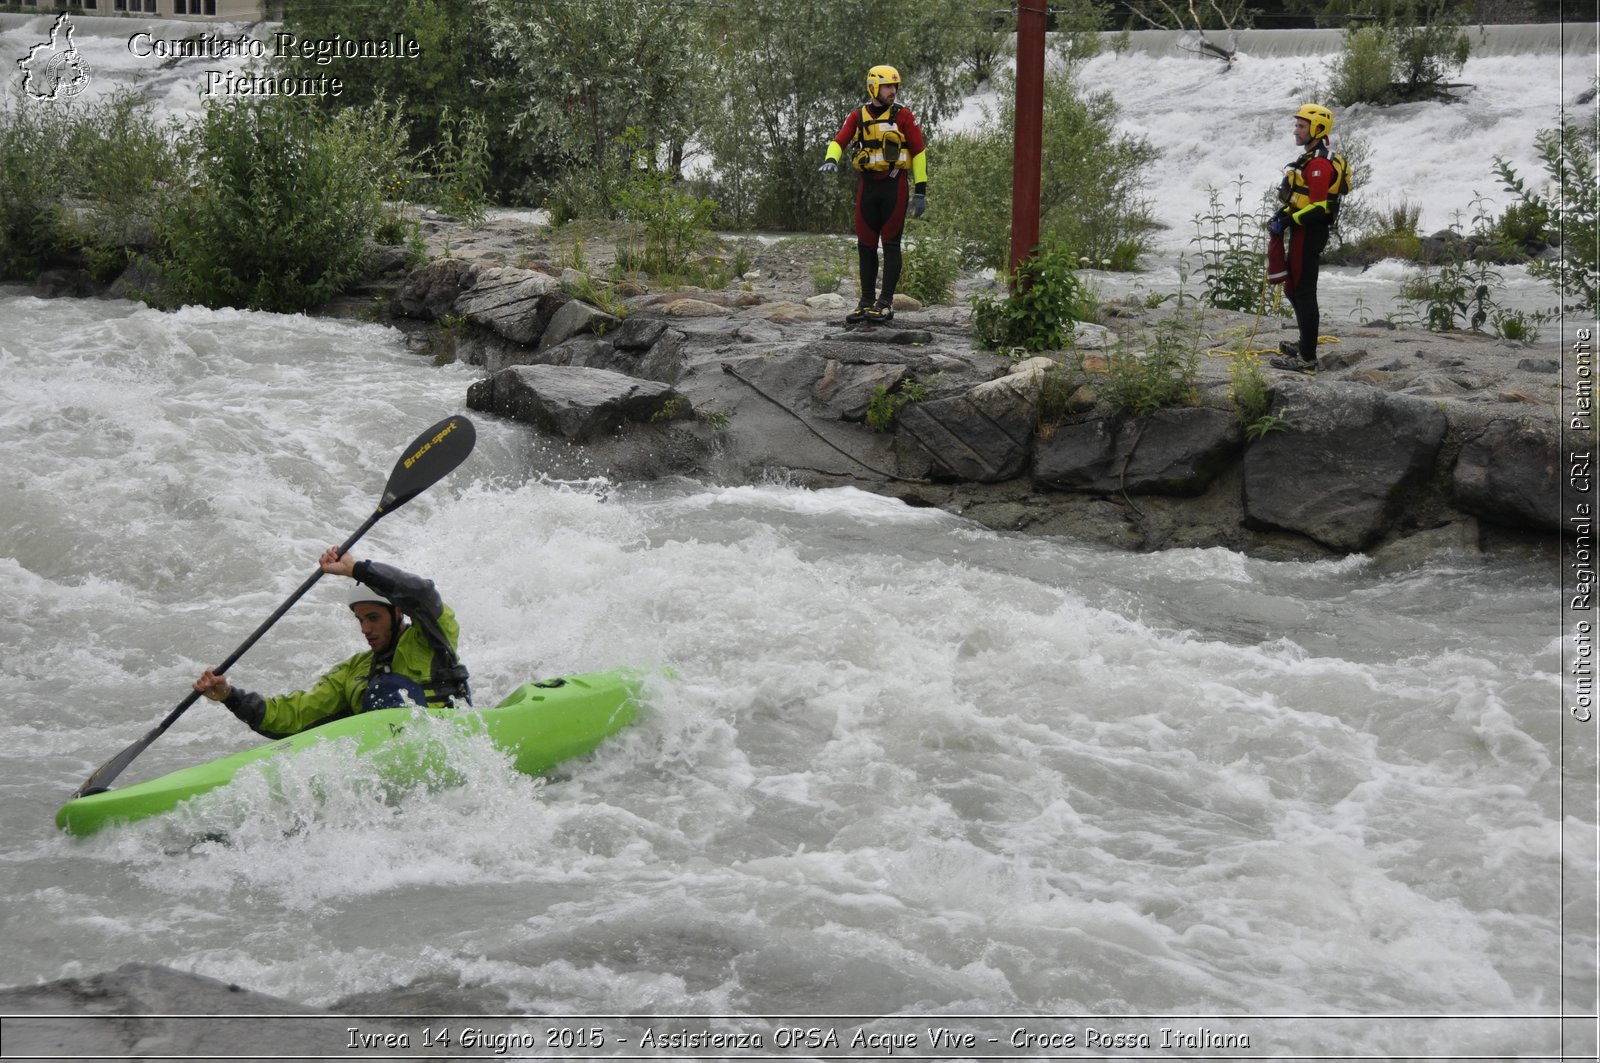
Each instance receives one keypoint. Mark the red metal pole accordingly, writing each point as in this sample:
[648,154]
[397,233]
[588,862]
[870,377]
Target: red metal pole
[1028,132]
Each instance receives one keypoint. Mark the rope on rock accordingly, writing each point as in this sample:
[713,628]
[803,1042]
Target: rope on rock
[1255,327]
[753,386]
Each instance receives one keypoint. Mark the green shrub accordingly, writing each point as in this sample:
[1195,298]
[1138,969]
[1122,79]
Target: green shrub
[884,405]
[1163,375]
[1568,155]
[1363,72]
[431,90]
[460,167]
[1090,196]
[279,201]
[1047,299]
[111,156]
[828,273]
[1460,289]
[931,267]
[1233,258]
[1409,53]
[675,224]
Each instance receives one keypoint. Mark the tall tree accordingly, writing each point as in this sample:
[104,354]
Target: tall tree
[603,86]
[454,73]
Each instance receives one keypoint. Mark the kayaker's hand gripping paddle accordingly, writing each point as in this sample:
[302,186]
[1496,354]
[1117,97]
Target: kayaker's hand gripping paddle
[429,458]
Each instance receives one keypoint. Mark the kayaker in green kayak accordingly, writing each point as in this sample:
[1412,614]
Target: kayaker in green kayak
[411,657]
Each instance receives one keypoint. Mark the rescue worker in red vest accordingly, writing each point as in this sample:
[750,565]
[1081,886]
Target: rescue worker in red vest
[884,144]
[410,657]
[1310,192]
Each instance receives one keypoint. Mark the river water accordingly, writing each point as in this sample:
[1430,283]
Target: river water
[891,762]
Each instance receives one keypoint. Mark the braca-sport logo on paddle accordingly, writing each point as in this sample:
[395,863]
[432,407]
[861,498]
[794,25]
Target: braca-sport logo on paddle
[429,445]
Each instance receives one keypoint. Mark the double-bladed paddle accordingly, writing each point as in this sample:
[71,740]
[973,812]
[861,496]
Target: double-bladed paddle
[429,458]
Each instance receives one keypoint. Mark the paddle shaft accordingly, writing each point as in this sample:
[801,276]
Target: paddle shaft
[108,771]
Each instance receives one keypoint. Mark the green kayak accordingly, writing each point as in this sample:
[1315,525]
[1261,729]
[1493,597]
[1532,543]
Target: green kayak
[541,724]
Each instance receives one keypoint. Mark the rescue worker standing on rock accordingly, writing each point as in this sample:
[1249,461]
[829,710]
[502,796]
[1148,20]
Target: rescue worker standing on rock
[1310,192]
[404,662]
[884,144]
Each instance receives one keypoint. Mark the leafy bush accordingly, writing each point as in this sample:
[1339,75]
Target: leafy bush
[433,96]
[1568,155]
[111,155]
[1363,72]
[599,86]
[1164,375]
[1047,299]
[930,268]
[1091,185]
[884,405]
[460,167]
[1251,396]
[1460,289]
[675,223]
[1412,50]
[1233,260]
[280,199]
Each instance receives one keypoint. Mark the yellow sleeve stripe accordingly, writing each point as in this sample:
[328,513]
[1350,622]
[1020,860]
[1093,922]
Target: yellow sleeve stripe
[919,167]
[835,152]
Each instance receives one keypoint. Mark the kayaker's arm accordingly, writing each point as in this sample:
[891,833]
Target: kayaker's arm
[416,597]
[330,698]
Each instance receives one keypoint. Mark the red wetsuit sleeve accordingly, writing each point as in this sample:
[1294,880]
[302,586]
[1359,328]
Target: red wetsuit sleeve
[1319,178]
[842,138]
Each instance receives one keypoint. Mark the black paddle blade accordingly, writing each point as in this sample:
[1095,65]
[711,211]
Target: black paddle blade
[429,458]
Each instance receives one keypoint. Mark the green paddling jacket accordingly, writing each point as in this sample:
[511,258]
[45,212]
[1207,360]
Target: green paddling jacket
[424,652]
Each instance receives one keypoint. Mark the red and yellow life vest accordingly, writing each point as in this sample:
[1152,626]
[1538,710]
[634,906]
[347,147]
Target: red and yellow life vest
[1293,192]
[879,146]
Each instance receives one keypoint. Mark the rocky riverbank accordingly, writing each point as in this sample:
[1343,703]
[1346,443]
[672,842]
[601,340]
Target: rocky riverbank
[1408,444]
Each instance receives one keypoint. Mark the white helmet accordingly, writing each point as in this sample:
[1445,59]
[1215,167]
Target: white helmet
[360,592]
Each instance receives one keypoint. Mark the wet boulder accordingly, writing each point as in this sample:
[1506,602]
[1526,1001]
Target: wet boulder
[516,304]
[1175,451]
[1342,462]
[1511,474]
[576,402]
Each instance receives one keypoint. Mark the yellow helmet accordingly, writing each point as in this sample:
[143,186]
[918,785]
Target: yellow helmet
[1318,117]
[879,76]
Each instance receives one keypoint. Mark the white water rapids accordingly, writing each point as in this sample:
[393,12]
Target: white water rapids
[900,763]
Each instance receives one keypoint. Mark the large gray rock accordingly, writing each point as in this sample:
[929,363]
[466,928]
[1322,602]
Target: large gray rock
[1341,468]
[845,389]
[576,318]
[430,291]
[1511,474]
[663,362]
[639,333]
[514,303]
[985,435]
[575,402]
[665,359]
[1175,451]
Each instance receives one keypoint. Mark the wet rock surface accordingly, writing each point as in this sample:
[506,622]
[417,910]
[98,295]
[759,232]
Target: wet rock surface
[1401,434]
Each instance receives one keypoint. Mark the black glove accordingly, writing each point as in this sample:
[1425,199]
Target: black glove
[1280,222]
[919,203]
[828,167]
